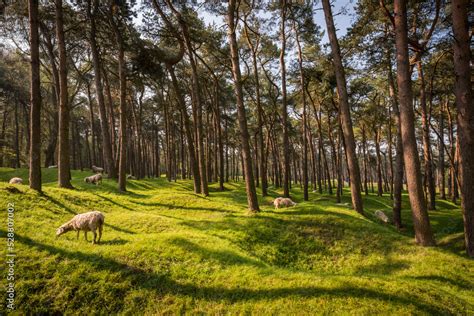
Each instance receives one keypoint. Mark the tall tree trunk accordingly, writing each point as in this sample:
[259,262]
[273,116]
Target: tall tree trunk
[286,142]
[465,117]
[426,140]
[364,151]
[110,107]
[421,222]
[304,131]
[198,104]
[244,134]
[109,164]
[260,144]
[219,137]
[398,173]
[188,128]
[63,150]
[92,120]
[441,171]
[17,137]
[379,161]
[353,164]
[390,151]
[53,137]
[35,99]
[122,182]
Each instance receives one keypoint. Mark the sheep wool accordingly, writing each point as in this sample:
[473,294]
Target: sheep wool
[283,202]
[86,222]
[96,179]
[16,180]
[97,169]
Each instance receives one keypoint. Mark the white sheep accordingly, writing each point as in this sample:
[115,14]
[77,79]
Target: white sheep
[53,167]
[130,177]
[95,179]
[16,180]
[283,202]
[381,215]
[97,169]
[90,221]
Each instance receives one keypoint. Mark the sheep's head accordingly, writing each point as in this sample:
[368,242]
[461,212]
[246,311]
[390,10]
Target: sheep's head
[86,179]
[61,230]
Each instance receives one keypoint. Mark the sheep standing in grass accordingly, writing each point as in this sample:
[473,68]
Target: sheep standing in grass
[381,216]
[16,180]
[90,221]
[97,169]
[53,167]
[283,202]
[95,179]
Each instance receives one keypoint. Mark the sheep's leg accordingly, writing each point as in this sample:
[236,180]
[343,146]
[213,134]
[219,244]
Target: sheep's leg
[77,238]
[85,235]
[100,233]
[95,236]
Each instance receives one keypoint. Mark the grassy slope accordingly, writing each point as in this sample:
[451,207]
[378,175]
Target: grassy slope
[167,250]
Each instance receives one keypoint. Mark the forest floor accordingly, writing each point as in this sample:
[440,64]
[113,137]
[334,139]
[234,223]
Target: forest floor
[167,250]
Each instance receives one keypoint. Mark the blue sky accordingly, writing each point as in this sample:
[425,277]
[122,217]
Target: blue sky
[342,10]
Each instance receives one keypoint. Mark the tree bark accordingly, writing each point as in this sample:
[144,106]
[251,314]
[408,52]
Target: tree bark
[305,129]
[188,129]
[122,182]
[64,172]
[35,99]
[263,159]
[109,164]
[286,142]
[428,164]
[398,173]
[441,182]
[379,161]
[421,222]
[465,117]
[244,134]
[353,164]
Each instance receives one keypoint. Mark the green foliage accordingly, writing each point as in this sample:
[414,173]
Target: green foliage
[168,250]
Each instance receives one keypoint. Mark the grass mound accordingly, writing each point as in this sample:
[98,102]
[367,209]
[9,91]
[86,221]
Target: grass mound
[168,250]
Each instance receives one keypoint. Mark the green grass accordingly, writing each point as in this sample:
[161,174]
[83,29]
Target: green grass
[166,250]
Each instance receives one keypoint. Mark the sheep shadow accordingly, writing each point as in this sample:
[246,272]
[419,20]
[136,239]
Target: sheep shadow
[162,283]
[114,242]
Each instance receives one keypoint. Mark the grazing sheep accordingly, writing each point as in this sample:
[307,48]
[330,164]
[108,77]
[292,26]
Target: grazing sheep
[95,179]
[97,169]
[381,215]
[283,202]
[90,221]
[131,177]
[53,167]
[16,180]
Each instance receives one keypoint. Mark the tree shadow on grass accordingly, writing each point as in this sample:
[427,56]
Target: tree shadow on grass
[182,207]
[223,256]
[386,267]
[163,284]
[113,202]
[443,204]
[296,242]
[460,283]
[59,204]
[119,229]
